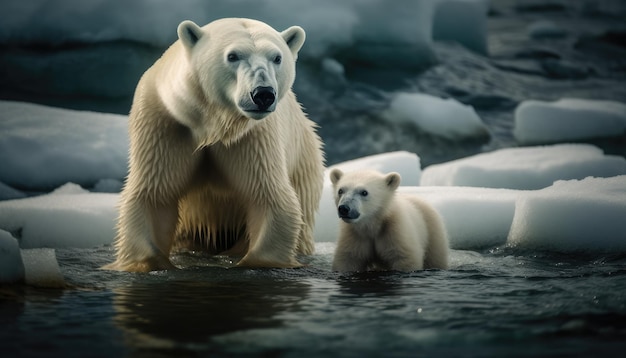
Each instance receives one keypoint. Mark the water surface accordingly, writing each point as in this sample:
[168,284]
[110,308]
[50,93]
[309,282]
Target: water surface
[498,302]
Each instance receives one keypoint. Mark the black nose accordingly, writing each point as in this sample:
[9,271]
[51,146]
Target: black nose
[343,210]
[263,97]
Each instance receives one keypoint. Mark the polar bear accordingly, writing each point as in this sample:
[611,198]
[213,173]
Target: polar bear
[382,229]
[222,157]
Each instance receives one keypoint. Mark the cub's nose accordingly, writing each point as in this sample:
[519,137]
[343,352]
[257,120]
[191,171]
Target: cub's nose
[343,210]
[263,97]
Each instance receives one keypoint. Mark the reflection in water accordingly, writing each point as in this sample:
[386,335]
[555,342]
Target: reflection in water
[186,312]
[491,304]
[378,283]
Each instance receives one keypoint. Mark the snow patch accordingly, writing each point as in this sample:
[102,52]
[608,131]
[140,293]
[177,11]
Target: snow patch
[525,168]
[475,218]
[43,147]
[446,118]
[568,119]
[69,218]
[575,215]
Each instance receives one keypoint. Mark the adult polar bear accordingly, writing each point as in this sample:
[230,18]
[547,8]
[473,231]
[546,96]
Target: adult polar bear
[221,153]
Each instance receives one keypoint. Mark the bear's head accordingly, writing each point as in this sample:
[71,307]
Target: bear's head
[242,63]
[362,195]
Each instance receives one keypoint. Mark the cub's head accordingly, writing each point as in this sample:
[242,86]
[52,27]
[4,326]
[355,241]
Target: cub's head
[362,195]
[242,63]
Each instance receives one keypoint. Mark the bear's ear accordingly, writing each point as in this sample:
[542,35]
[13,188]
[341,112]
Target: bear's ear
[294,37]
[189,33]
[392,180]
[335,175]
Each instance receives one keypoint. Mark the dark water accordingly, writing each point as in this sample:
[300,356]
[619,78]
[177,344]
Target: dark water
[495,303]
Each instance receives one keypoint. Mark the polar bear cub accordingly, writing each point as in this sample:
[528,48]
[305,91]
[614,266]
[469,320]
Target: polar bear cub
[382,229]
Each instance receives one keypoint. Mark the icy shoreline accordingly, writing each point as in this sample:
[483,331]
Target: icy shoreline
[567,216]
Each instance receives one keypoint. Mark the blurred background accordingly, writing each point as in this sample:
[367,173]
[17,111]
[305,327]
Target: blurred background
[359,56]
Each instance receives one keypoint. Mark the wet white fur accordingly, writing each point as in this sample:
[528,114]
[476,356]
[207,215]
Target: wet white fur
[200,167]
[393,232]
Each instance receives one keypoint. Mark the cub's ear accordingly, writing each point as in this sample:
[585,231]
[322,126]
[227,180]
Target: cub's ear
[392,180]
[189,33]
[294,37]
[335,175]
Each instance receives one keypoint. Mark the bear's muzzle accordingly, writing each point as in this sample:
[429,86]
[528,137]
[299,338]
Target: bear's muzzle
[346,213]
[264,97]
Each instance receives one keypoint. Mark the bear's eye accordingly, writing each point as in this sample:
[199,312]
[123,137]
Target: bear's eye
[232,57]
[364,193]
[340,191]
[278,59]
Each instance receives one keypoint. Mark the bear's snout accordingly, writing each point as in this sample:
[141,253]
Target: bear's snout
[347,213]
[343,210]
[263,97]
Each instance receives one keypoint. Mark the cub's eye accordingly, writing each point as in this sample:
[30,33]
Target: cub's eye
[232,57]
[340,191]
[364,193]
[278,59]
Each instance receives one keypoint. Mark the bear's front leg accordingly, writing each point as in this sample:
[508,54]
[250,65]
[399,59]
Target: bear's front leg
[346,261]
[400,254]
[273,229]
[146,232]
[353,252]
[407,264]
